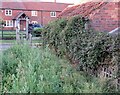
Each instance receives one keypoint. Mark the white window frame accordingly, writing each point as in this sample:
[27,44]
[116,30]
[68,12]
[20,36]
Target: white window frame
[34,13]
[8,23]
[8,12]
[53,14]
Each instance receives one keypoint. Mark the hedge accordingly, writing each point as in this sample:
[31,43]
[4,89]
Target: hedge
[87,48]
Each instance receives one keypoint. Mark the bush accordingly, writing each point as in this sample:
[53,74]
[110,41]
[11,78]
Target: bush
[37,32]
[28,70]
[88,49]
[51,33]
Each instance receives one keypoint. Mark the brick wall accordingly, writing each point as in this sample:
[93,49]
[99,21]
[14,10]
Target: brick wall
[103,16]
[107,18]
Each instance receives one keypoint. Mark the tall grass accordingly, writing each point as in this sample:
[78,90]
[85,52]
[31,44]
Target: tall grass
[33,70]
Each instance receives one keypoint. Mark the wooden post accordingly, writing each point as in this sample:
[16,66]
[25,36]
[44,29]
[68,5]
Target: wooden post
[27,22]
[17,30]
[30,38]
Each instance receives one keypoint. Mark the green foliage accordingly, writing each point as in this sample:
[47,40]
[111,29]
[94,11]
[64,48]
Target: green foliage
[37,32]
[51,33]
[88,48]
[1,23]
[30,70]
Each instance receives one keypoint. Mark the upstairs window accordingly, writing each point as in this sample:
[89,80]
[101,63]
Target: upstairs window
[53,14]
[34,13]
[8,12]
[8,23]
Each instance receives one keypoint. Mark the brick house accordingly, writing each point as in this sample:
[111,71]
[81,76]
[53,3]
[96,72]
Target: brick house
[103,16]
[37,12]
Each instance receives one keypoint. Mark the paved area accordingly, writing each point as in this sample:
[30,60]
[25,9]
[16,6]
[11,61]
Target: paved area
[5,46]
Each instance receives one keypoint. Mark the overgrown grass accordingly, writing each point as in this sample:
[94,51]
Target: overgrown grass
[33,70]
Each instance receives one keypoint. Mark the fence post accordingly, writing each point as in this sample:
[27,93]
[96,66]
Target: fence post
[17,30]
[27,21]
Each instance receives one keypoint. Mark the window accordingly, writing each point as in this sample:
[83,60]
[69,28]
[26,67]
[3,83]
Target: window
[53,14]
[8,23]
[8,12]
[34,13]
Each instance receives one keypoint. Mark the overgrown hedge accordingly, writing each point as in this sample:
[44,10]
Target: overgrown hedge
[87,48]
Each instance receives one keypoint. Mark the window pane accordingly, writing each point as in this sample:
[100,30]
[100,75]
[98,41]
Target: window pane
[8,12]
[34,13]
[53,14]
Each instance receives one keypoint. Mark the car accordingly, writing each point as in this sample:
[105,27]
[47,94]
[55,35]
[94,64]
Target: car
[37,26]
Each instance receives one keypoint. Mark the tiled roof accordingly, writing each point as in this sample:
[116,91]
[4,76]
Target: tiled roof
[12,5]
[19,15]
[68,10]
[84,9]
[35,5]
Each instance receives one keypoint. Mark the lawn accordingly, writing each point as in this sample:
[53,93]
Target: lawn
[7,41]
[10,34]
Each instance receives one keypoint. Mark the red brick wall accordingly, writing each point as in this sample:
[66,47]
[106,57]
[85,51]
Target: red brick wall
[106,19]
[103,16]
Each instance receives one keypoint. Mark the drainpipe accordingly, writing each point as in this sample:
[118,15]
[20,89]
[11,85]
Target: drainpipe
[41,17]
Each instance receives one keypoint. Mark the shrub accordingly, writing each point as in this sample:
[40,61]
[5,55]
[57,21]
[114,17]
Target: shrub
[37,32]
[51,33]
[88,48]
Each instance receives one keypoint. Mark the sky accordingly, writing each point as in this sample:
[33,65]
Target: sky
[65,1]
[61,1]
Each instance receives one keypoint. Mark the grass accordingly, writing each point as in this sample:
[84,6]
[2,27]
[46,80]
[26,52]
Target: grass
[34,70]
[10,34]
[14,41]
[7,41]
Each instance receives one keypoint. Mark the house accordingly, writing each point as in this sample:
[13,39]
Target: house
[37,12]
[103,16]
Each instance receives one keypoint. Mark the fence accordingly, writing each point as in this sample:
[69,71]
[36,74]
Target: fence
[10,35]
[109,72]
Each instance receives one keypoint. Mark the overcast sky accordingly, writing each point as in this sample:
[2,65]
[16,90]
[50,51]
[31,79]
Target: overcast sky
[64,1]
[61,1]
